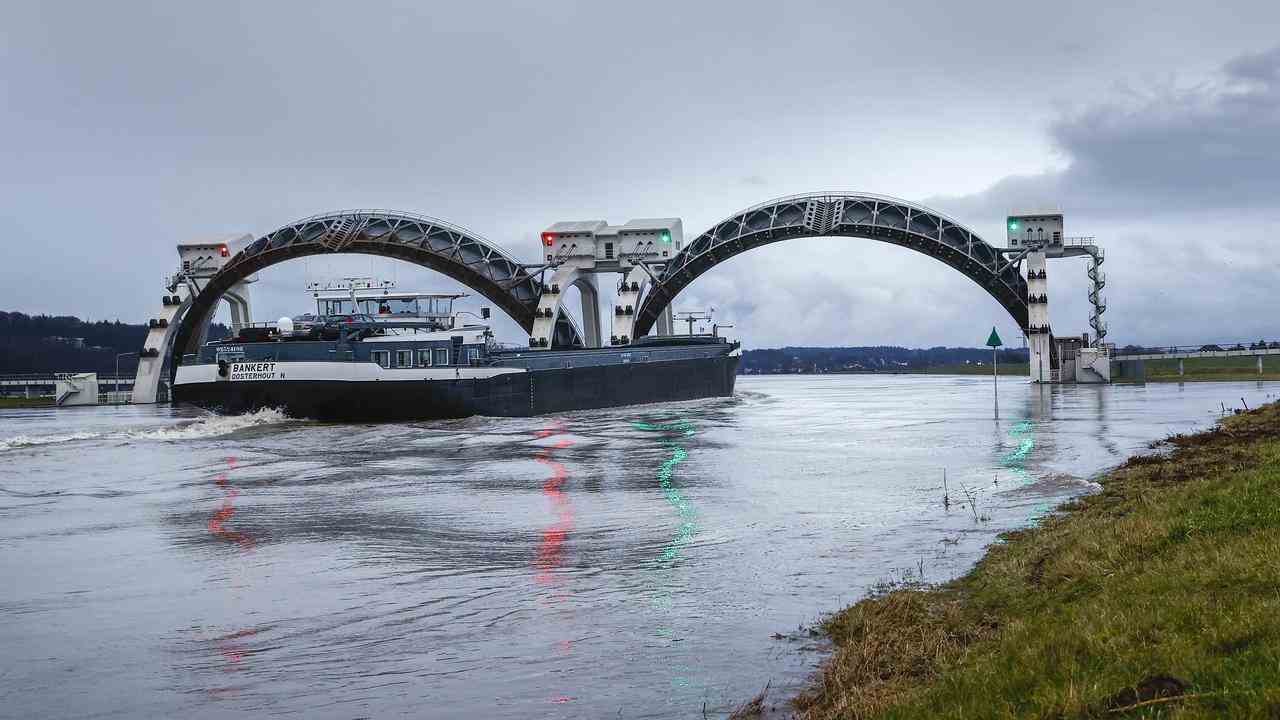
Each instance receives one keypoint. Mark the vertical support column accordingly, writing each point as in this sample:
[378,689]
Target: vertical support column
[1182,368]
[1259,366]
[1038,332]
[544,322]
[666,323]
[589,290]
[237,317]
[550,307]
[633,284]
[146,381]
[238,300]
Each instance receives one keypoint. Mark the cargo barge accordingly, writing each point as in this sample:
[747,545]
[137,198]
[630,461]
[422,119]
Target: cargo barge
[371,353]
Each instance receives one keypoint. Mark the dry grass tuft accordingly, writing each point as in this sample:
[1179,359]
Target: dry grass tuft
[752,708]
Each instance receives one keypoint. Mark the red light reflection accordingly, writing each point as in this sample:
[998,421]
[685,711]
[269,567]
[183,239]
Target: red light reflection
[551,549]
[217,523]
[232,650]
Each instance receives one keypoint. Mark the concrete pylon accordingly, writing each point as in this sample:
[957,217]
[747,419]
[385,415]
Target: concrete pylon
[146,382]
[200,261]
[1038,331]
[666,322]
[238,300]
[550,306]
[630,291]
[589,289]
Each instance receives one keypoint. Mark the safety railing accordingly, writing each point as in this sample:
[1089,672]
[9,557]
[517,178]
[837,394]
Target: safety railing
[1207,347]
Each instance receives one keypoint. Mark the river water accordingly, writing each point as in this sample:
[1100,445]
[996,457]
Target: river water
[633,562]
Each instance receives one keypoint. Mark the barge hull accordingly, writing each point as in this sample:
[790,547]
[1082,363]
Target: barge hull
[516,394]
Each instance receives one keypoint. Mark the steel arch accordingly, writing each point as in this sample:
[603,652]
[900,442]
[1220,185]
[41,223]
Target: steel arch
[834,214]
[435,244]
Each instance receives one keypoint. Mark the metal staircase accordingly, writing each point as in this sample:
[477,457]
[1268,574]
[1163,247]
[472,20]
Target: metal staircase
[821,215]
[1099,281]
[340,233]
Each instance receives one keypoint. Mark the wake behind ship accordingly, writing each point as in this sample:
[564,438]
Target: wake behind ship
[370,353]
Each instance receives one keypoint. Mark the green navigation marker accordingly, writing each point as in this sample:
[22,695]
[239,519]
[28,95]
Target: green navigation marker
[994,340]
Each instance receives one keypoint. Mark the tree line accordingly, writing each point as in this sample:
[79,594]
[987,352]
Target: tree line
[878,358]
[62,343]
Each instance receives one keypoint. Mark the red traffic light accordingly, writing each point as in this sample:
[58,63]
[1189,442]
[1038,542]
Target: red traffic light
[547,239]
[224,251]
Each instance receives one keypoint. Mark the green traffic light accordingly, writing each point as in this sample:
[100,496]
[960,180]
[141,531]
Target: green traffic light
[666,236]
[1013,225]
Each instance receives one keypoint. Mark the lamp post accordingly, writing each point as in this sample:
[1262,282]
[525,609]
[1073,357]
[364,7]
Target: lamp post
[117,391]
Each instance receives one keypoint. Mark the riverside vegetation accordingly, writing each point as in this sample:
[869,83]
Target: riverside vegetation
[1157,597]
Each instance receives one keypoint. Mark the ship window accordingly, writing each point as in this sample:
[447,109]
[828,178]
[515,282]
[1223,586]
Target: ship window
[382,357]
[608,251]
[403,306]
[442,356]
[473,354]
[404,358]
[424,358]
[336,307]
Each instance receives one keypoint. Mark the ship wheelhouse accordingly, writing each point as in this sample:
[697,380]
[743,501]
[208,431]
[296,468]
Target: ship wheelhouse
[364,321]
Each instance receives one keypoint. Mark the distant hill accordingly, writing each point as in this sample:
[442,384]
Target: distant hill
[46,343]
[880,358]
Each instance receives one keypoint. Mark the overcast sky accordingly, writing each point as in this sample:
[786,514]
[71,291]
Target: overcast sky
[127,127]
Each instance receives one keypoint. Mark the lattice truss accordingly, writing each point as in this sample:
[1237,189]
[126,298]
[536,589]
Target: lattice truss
[844,215]
[449,249]
[463,251]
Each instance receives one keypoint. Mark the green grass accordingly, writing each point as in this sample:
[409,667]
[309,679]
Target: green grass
[26,402]
[1214,368]
[1163,589]
[962,369]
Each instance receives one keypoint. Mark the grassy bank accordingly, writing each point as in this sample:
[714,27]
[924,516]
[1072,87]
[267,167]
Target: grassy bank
[962,369]
[25,402]
[1214,368]
[1159,596]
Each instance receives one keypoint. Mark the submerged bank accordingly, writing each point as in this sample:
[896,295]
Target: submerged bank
[1158,596]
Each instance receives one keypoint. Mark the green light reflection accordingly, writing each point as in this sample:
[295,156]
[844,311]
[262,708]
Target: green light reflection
[663,600]
[1015,460]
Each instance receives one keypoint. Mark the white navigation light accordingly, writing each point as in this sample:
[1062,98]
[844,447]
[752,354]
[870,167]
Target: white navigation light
[285,325]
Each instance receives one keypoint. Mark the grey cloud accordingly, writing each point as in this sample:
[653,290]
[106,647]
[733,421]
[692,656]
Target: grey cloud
[1215,145]
[1181,186]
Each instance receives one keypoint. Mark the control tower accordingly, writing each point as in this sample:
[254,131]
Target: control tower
[1038,236]
[577,252]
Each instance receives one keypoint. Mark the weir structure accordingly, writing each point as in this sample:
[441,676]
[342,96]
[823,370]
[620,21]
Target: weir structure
[578,252]
[997,270]
[225,268]
[650,256]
